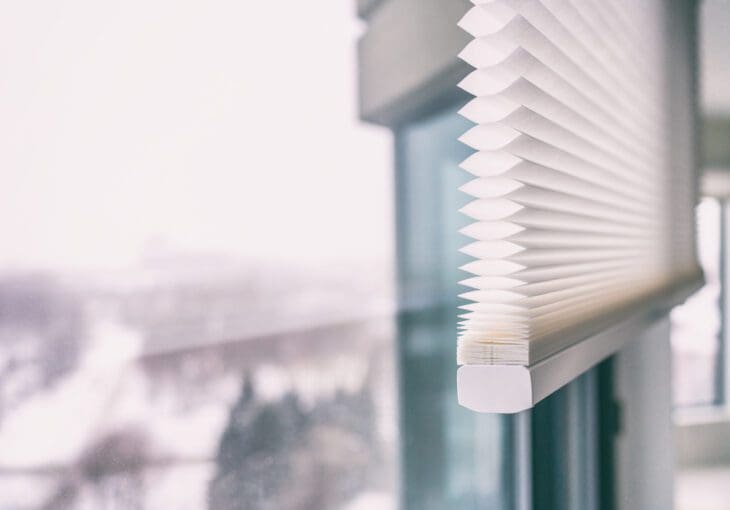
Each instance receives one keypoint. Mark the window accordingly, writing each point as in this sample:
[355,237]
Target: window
[470,461]
[697,330]
[230,269]
[179,229]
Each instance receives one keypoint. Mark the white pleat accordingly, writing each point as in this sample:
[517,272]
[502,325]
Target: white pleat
[573,210]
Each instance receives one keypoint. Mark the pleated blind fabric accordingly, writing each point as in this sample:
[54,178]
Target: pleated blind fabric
[580,207]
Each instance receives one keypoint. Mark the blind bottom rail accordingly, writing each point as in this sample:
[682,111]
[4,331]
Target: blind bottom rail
[513,388]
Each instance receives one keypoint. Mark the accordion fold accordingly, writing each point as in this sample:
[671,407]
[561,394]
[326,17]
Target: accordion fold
[580,206]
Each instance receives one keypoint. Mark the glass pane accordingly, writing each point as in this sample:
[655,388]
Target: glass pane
[696,324]
[196,235]
[452,457]
[137,158]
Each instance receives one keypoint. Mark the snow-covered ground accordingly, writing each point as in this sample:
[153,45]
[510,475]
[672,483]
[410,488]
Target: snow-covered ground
[165,399]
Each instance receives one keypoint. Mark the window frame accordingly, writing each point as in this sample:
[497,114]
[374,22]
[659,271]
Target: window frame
[408,70]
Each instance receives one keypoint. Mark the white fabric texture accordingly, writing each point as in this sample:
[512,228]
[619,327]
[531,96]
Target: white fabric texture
[580,205]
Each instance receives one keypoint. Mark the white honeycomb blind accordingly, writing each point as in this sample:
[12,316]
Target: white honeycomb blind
[579,207]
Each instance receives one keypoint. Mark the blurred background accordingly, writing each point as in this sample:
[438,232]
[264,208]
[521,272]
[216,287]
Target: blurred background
[220,288]
[701,363]
[195,228]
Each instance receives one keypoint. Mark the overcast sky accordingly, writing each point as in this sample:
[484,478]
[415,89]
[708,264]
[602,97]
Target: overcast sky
[209,125]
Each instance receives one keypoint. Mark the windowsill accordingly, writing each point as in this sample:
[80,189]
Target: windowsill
[702,436]
[696,415]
